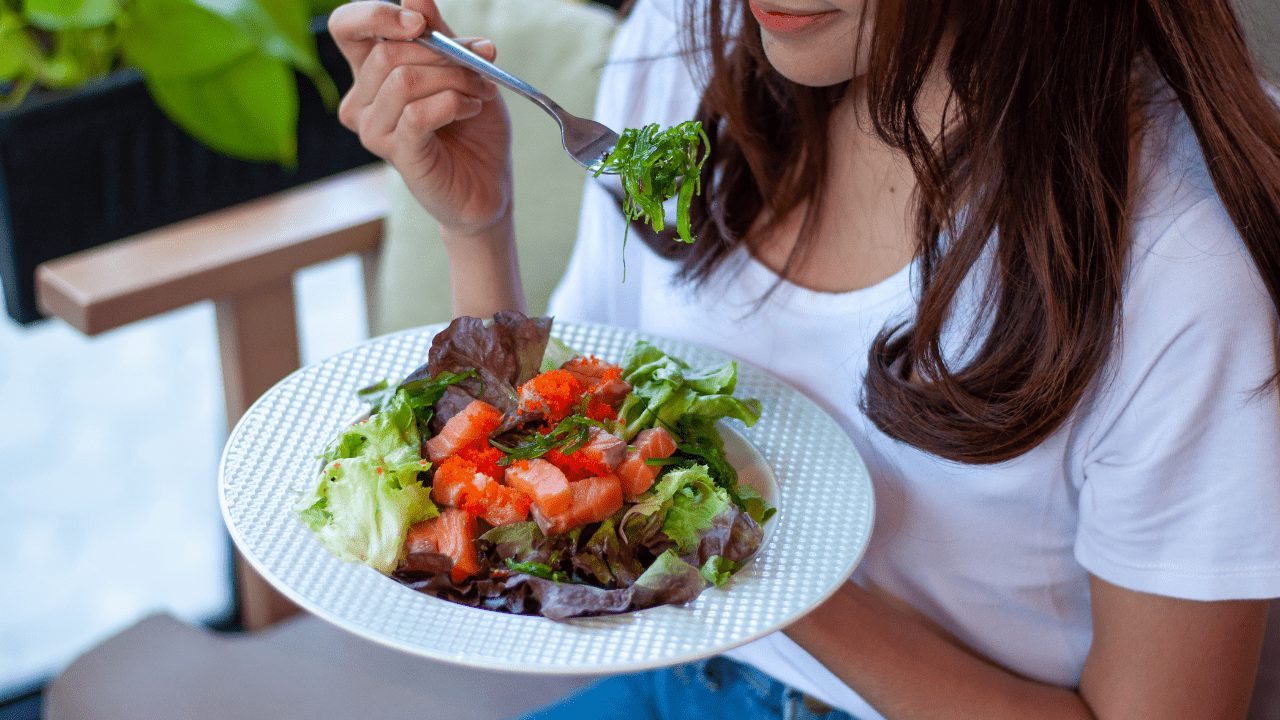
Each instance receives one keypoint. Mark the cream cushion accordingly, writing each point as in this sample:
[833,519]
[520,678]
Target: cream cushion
[1261,20]
[559,47]
[300,669]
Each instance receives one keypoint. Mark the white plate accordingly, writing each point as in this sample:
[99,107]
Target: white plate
[821,529]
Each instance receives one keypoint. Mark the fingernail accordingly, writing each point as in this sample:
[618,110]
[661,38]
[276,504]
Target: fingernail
[409,19]
[481,46]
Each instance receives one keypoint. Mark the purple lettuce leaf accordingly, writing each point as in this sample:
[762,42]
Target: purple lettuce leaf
[505,353]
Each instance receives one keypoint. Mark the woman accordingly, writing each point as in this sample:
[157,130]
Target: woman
[985,238]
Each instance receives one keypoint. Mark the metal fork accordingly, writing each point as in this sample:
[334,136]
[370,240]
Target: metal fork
[587,141]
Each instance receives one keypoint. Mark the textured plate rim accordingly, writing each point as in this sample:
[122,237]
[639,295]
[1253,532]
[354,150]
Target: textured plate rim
[605,625]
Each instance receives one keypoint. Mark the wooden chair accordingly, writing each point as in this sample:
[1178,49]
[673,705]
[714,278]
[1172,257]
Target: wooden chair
[243,259]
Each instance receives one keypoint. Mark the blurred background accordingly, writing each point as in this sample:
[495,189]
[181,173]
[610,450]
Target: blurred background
[110,447]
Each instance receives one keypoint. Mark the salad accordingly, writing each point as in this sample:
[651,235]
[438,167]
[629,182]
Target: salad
[513,474]
[656,164]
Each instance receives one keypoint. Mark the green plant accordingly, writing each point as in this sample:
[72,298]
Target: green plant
[223,70]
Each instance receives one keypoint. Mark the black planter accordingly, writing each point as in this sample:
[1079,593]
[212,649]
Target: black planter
[83,168]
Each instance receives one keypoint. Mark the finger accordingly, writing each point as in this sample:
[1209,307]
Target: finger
[410,84]
[423,118]
[358,27]
[385,57]
[480,46]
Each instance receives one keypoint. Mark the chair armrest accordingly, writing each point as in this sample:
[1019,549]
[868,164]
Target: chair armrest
[243,259]
[226,253]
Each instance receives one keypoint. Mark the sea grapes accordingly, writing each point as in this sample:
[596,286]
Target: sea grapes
[656,164]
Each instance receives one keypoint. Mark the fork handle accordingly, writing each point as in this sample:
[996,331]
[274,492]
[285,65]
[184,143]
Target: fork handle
[446,46]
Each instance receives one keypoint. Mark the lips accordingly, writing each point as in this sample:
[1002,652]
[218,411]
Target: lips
[782,22]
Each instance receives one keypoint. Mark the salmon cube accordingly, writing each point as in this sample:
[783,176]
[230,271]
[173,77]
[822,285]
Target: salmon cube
[452,533]
[605,448]
[543,482]
[458,483]
[553,393]
[601,455]
[486,458]
[594,499]
[636,476]
[505,505]
[602,380]
[475,422]
[456,480]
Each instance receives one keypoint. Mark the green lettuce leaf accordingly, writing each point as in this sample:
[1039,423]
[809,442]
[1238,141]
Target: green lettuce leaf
[717,570]
[666,391]
[368,493]
[556,354]
[682,504]
[694,505]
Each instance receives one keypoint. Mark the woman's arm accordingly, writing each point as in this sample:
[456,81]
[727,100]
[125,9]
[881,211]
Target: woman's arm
[445,129]
[1161,657]
[484,272]
[1152,657]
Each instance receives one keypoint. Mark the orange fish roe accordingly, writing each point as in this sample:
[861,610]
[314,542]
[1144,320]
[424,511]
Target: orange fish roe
[452,474]
[554,392]
[599,410]
[485,457]
[577,465]
[458,484]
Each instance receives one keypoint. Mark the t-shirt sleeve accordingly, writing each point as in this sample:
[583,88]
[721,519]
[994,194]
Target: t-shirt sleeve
[1180,489]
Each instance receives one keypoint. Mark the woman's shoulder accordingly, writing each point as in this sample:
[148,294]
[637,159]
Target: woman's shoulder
[1186,249]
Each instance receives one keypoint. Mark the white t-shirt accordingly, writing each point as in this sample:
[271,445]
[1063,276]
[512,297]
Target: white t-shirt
[1166,479]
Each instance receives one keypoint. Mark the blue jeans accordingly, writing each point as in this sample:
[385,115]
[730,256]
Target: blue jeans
[706,690]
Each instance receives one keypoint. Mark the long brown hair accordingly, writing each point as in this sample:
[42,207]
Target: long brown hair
[1039,145]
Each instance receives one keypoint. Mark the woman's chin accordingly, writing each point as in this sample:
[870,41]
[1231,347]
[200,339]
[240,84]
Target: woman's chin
[807,68]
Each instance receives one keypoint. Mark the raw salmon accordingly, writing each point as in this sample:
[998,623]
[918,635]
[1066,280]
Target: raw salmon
[458,483]
[594,499]
[453,533]
[601,455]
[475,422]
[543,482]
[635,475]
[600,379]
[553,393]
[485,456]
[605,448]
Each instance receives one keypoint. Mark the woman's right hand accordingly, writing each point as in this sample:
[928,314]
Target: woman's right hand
[441,125]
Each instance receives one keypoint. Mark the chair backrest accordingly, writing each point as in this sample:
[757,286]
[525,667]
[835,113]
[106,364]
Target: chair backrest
[559,47]
[1261,20]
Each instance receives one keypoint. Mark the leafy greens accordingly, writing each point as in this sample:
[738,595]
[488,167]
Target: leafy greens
[368,494]
[656,164]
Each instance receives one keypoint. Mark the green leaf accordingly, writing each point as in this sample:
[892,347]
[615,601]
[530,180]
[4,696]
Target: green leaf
[754,505]
[655,164]
[248,109]
[363,505]
[78,55]
[17,52]
[693,506]
[64,14]
[278,29]
[323,7]
[178,39]
[555,355]
[717,570]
